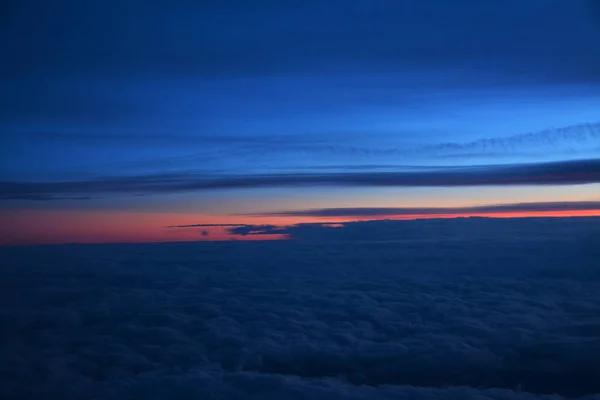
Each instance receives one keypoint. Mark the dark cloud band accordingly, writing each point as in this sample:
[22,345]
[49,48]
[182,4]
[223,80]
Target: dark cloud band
[557,173]
[405,211]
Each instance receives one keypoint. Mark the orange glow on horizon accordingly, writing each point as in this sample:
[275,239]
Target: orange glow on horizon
[27,227]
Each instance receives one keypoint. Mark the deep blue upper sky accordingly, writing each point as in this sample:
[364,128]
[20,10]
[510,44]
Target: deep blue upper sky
[138,89]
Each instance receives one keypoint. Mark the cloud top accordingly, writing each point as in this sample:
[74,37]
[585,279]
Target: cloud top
[463,309]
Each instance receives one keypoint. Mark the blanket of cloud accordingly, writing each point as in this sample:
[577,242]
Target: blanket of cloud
[481,310]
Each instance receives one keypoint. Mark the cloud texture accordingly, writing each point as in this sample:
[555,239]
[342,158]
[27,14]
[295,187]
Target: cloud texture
[491,310]
[555,173]
[406,211]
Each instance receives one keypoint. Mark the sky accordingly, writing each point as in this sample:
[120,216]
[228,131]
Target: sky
[125,121]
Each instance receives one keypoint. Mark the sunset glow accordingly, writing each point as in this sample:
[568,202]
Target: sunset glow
[221,115]
[42,227]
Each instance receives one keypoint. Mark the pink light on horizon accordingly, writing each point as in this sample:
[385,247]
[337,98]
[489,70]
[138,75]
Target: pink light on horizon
[34,227]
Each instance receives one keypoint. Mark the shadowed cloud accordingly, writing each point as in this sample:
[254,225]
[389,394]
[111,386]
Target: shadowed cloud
[465,309]
[404,211]
[205,226]
[416,230]
[422,229]
[556,173]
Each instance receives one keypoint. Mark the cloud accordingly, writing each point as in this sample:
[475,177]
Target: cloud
[399,211]
[556,173]
[463,309]
[42,197]
[419,229]
[239,229]
[205,226]
[574,138]
[244,230]
[571,139]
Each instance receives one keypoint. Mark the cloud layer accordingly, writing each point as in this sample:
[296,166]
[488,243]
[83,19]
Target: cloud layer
[405,211]
[556,173]
[480,309]
[473,228]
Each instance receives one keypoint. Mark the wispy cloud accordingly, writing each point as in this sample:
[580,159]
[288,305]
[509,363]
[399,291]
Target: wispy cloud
[239,229]
[42,197]
[557,173]
[205,226]
[263,149]
[573,138]
[404,211]
[568,139]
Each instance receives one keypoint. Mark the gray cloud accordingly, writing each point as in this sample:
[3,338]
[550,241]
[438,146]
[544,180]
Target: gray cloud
[245,230]
[399,211]
[478,228]
[465,309]
[204,225]
[557,173]
[42,197]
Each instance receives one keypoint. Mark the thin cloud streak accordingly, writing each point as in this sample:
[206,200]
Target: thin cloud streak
[404,211]
[556,173]
[573,139]
[205,226]
[569,138]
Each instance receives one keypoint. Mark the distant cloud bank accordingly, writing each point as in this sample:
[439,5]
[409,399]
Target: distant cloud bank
[424,211]
[553,173]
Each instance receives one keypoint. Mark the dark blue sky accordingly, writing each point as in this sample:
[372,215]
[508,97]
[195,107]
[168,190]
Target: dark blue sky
[205,92]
